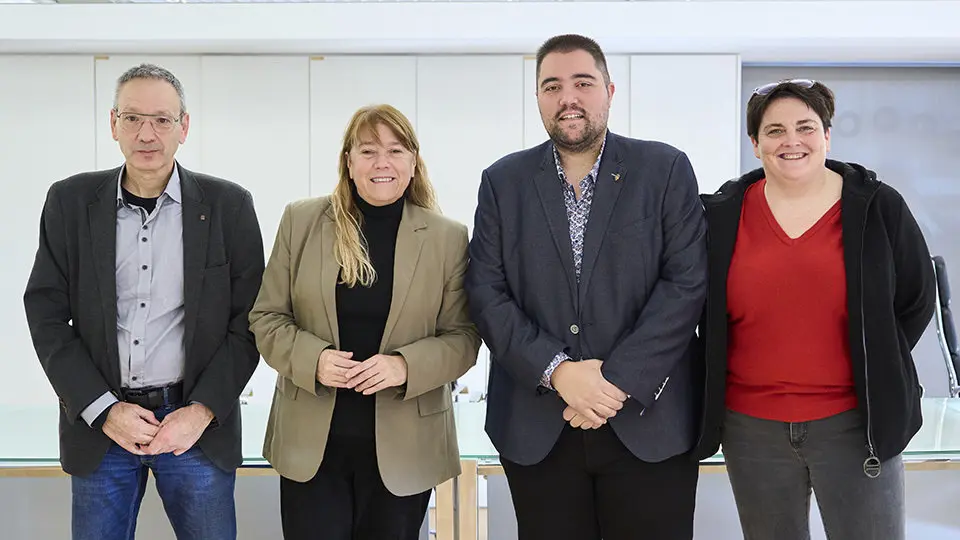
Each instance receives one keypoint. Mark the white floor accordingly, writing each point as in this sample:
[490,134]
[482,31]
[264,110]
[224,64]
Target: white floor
[39,509]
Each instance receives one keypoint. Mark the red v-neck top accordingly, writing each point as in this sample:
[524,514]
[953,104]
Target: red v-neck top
[788,352]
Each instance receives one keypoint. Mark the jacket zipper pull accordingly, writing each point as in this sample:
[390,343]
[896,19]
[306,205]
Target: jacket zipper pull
[871,466]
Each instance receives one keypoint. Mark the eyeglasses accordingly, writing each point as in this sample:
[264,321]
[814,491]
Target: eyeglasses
[767,88]
[133,122]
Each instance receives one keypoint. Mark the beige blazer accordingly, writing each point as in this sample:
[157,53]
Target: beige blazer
[295,318]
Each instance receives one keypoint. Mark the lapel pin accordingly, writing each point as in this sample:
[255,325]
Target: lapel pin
[203,217]
[616,177]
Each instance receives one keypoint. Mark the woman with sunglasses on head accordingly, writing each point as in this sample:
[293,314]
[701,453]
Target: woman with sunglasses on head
[820,286]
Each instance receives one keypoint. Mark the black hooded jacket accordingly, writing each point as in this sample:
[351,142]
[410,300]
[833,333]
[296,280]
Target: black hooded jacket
[890,299]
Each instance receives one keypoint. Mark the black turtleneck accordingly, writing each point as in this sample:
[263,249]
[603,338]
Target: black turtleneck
[362,314]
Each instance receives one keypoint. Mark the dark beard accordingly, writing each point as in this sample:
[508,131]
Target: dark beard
[589,139]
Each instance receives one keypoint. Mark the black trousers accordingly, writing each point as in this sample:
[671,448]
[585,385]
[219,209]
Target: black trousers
[591,487]
[347,500]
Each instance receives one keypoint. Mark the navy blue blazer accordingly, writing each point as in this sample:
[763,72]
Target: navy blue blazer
[636,307]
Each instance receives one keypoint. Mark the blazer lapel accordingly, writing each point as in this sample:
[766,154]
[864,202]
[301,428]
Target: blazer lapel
[329,273]
[102,214]
[196,234]
[606,192]
[549,188]
[409,243]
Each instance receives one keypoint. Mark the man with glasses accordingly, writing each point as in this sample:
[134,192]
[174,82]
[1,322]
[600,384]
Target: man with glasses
[137,305]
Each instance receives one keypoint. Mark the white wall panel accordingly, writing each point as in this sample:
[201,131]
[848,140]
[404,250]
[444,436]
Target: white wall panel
[256,129]
[691,102]
[46,108]
[619,122]
[339,85]
[256,132]
[470,112]
[109,69]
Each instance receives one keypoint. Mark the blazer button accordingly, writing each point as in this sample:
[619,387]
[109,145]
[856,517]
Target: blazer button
[574,329]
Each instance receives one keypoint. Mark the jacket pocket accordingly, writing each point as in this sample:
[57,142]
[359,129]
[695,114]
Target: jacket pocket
[287,388]
[435,401]
[631,227]
[217,269]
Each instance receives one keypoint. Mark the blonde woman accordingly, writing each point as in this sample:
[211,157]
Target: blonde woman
[363,315]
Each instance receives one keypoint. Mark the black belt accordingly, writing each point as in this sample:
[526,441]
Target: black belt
[154,398]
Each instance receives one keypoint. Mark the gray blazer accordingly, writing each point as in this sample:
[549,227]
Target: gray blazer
[71,306]
[640,296]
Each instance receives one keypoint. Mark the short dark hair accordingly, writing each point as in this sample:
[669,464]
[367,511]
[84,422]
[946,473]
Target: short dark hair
[150,71]
[818,97]
[573,42]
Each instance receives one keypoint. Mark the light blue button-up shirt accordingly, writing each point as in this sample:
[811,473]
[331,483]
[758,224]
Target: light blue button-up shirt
[150,311]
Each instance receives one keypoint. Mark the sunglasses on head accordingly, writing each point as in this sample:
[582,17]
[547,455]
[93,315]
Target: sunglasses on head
[767,88]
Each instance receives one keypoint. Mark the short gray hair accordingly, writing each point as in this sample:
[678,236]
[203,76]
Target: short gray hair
[150,71]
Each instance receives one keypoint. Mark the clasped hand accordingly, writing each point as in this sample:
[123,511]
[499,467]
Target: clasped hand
[337,369]
[139,432]
[591,399]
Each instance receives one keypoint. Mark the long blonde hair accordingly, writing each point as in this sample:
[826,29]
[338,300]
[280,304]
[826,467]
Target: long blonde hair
[350,248]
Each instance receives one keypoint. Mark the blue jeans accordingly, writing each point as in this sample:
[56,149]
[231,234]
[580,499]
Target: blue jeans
[197,495]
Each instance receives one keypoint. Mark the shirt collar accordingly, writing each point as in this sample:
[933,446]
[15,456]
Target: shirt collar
[172,190]
[594,171]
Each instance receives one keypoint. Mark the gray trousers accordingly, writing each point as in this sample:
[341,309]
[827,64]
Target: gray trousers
[774,466]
